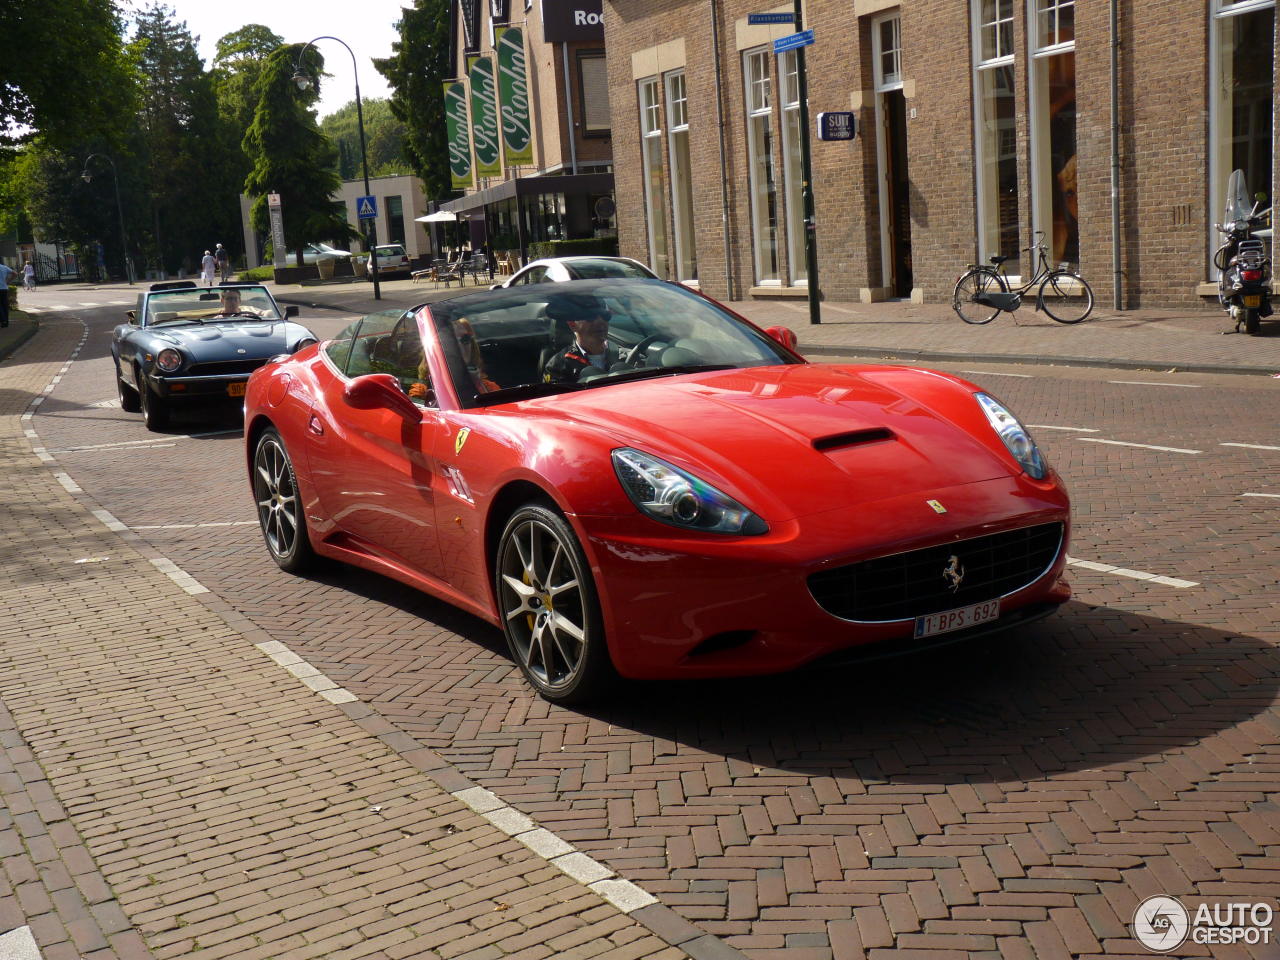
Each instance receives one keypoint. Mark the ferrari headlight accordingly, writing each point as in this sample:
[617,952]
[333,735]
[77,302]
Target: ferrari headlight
[671,495]
[168,360]
[1014,435]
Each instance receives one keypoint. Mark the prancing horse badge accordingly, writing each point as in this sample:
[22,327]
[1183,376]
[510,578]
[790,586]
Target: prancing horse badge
[460,440]
[937,507]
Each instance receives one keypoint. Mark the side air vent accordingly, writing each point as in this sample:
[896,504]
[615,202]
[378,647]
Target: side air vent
[853,438]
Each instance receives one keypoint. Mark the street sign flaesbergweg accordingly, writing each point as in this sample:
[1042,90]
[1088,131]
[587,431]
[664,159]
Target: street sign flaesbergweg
[792,41]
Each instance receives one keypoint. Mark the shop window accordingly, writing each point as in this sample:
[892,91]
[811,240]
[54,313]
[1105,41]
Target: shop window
[681,177]
[1054,203]
[758,81]
[793,165]
[655,190]
[593,93]
[995,139]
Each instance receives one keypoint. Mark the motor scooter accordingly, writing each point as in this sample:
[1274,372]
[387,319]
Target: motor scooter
[1244,269]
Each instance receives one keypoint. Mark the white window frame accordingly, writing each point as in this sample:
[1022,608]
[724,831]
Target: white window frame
[792,178]
[977,26]
[681,191]
[1219,125]
[884,84]
[649,95]
[1041,218]
[758,103]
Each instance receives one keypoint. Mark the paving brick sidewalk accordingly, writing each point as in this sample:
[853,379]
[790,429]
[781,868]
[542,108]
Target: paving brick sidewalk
[169,790]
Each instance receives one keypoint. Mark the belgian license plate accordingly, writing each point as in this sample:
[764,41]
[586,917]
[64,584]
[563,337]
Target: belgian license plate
[1253,301]
[957,619]
[235,389]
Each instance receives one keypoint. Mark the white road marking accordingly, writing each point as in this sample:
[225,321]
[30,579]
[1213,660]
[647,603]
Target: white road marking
[1144,446]
[67,483]
[1049,426]
[192,526]
[1156,383]
[1272,495]
[85,304]
[19,944]
[166,442]
[1132,574]
[1249,446]
[179,576]
[998,373]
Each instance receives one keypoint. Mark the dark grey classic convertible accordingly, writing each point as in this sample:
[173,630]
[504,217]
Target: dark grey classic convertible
[185,342]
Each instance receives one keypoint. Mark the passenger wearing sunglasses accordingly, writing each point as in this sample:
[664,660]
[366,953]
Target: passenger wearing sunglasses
[588,319]
[469,347]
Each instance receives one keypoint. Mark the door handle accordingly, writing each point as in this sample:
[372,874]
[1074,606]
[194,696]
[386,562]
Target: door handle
[315,426]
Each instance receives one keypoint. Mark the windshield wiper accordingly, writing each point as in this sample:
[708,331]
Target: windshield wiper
[526,391]
[645,373]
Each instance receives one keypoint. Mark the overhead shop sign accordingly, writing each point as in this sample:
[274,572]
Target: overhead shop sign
[513,88]
[458,132]
[570,21]
[484,117]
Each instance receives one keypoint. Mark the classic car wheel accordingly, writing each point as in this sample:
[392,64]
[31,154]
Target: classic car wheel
[155,413]
[130,402]
[550,613]
[275,490]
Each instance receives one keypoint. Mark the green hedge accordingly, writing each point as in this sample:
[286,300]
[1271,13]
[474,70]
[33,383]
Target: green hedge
[601,246]
[257,274]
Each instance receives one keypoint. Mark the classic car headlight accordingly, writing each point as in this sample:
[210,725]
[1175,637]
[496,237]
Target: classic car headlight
[168,360]
[304,343]
[671,495]
[1014,435]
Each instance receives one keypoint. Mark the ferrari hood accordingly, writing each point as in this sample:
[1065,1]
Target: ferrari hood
[796,440]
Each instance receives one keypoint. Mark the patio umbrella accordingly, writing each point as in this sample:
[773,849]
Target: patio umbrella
[440,216]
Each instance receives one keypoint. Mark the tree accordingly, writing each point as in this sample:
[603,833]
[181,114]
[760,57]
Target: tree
[291,156]
[416,71]
[384,136]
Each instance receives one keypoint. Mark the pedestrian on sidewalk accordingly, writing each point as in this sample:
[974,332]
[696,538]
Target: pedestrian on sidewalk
[207,267]
[6,272]
[224,263]
[28,276]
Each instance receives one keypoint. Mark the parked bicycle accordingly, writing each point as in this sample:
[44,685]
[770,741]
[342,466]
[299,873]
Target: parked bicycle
[982,291]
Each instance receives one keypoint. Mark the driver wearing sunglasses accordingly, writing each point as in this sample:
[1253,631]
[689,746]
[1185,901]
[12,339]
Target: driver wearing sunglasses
[588,319]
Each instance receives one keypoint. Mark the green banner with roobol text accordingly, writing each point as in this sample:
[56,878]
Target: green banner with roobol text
[513,86]
[484,117]
[458,132]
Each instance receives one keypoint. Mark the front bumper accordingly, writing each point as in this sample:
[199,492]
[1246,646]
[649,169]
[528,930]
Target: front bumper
[678,605]
[227,386]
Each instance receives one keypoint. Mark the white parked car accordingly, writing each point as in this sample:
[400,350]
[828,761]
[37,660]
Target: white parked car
[322,251]
[392,258]
[564,269]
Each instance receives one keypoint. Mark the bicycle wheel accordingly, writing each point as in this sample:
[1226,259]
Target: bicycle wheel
[1066,297]
[979,280]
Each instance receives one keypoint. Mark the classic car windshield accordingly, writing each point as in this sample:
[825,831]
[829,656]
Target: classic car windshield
[211,305]
[599,269]
[514,343]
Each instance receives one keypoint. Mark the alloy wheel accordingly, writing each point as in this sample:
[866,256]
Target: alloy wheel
[277,498]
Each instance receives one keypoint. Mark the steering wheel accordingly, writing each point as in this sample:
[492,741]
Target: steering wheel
[633,357]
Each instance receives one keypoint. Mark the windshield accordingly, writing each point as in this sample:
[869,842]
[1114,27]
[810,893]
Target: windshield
[511,344]
[211,305]
[599,269]
[1239,205]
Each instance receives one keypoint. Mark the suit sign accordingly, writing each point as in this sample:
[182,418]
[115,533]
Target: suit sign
[837,125]
[567,21]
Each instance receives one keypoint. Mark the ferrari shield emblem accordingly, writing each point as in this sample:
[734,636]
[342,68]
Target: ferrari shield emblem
[937,507]
[460,440]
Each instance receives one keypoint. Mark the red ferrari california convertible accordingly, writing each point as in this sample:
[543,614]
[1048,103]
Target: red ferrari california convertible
[630,479]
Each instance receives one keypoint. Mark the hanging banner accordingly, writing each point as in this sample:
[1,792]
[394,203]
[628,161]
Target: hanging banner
[513,85]
[455,116]
[484,117]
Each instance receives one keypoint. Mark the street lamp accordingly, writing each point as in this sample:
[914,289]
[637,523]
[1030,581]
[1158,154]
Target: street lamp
[87,177]
[304,82]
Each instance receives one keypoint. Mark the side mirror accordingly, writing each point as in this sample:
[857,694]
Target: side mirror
[132,316]
[495,286]
[380,391]
[785,336]
[291,310]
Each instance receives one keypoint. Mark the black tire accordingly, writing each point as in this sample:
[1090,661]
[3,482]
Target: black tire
[550,612]
[280,511]
[1066,297]
[977,281]
[130,402]
[1252,323]
[155,412]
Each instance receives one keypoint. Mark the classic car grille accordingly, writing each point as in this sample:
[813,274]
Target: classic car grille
[225,368]
[912,584]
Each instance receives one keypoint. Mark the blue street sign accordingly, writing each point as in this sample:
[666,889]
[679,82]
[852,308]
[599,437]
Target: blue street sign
[793,41]
[366,208]
[837,125]
[753,18]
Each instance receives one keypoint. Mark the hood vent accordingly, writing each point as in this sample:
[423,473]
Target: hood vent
[853,438]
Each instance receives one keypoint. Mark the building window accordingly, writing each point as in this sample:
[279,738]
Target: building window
[890,56]
[593,93]
[1241,104]
[681,177]
[995,140]
[395,219]
[764,203]
[655,190]
[792,165]
[1054,205]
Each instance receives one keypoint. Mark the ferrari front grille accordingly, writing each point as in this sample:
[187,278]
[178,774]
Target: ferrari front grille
[225,368]
[907,585]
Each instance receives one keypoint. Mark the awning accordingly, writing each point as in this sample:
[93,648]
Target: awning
[440,216]
[531,186]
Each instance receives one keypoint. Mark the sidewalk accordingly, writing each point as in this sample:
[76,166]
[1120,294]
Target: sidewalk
[1190,339]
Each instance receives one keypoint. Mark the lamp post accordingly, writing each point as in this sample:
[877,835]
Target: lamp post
[304,82]
[86,176]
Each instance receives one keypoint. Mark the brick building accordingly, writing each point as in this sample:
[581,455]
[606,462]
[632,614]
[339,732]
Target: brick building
[563,189]
[978,122]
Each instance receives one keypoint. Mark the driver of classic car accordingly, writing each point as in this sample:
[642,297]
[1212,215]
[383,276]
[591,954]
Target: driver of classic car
[231,306]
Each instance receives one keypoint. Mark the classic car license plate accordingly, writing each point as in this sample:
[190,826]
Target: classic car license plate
[235,389]
[1253,301]
[957,619]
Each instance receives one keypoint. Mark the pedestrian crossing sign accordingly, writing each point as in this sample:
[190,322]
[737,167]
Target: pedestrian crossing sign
[366,208]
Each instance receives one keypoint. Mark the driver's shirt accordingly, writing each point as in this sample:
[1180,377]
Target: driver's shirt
[568,364]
